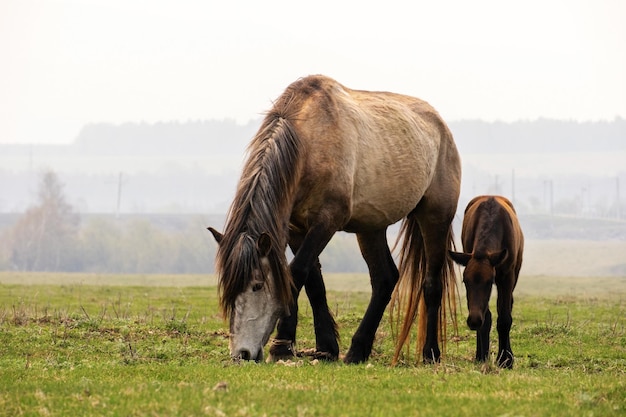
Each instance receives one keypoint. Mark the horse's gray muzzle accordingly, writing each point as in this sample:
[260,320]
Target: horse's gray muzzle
[246,355]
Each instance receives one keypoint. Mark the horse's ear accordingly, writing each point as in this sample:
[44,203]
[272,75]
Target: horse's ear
[460,257]
[497,258]
[264,244]
[217,235]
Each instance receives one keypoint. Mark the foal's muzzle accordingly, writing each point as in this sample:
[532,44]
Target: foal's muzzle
[475,321]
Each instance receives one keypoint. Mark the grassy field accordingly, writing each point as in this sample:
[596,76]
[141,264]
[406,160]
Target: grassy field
[156,345]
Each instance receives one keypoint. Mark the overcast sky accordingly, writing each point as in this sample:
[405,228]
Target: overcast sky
[67,63]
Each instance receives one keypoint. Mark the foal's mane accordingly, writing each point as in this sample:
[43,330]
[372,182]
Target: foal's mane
[262,204]
[493,218]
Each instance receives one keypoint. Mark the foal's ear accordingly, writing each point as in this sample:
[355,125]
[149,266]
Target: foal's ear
[497,258]
[264,244]
[217,235]
[460,257]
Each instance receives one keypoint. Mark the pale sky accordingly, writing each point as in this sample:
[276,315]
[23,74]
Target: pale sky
[66,63]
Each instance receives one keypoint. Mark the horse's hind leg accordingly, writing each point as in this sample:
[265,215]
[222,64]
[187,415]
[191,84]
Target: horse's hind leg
[434,223]
[383,277]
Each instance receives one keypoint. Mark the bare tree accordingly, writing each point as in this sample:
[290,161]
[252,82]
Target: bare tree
[45,237]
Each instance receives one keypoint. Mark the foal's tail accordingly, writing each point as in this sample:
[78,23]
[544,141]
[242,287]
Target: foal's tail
[409,295]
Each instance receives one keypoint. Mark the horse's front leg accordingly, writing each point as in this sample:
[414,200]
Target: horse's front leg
[326,334]
[282,346]
[326,345]
[306,272]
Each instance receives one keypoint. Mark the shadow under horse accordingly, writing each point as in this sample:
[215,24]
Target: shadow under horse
[493,245]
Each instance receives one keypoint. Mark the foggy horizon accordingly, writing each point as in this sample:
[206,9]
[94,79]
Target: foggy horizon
[255,121]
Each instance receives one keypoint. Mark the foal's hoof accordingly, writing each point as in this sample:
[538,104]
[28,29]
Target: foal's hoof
[505,360]
[281,350]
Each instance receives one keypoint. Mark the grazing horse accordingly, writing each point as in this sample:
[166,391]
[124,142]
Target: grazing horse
[328,158]
[493,244]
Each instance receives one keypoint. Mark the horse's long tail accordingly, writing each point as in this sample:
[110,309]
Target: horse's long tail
[409,295]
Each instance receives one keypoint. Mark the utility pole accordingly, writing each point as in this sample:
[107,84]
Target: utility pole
[548,196]
[617,199]
[513,187]
[551,197]
[119,195]
[31,175]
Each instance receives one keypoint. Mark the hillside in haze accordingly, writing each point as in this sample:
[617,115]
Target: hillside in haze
[210,137]
[544,165]
[543,135]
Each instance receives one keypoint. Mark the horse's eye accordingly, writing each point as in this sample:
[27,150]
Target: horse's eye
[257,286]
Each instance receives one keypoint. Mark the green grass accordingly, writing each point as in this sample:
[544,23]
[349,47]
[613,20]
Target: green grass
[69,348]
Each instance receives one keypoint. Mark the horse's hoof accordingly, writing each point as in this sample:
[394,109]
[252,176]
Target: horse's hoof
[431,356]
[318,354]
[325,356]
[273,358]
[481,358]
[281,350]
[354,358]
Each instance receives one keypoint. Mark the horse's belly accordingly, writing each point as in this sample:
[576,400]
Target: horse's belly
[383,204]
[385,192]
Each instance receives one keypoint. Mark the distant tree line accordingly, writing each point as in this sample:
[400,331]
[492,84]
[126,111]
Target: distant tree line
[52,236]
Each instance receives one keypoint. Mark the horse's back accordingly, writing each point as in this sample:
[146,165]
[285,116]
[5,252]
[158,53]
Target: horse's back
[379,150]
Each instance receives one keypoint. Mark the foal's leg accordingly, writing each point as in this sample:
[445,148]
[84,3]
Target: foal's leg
[383,277]
[482,338]
[505,320]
